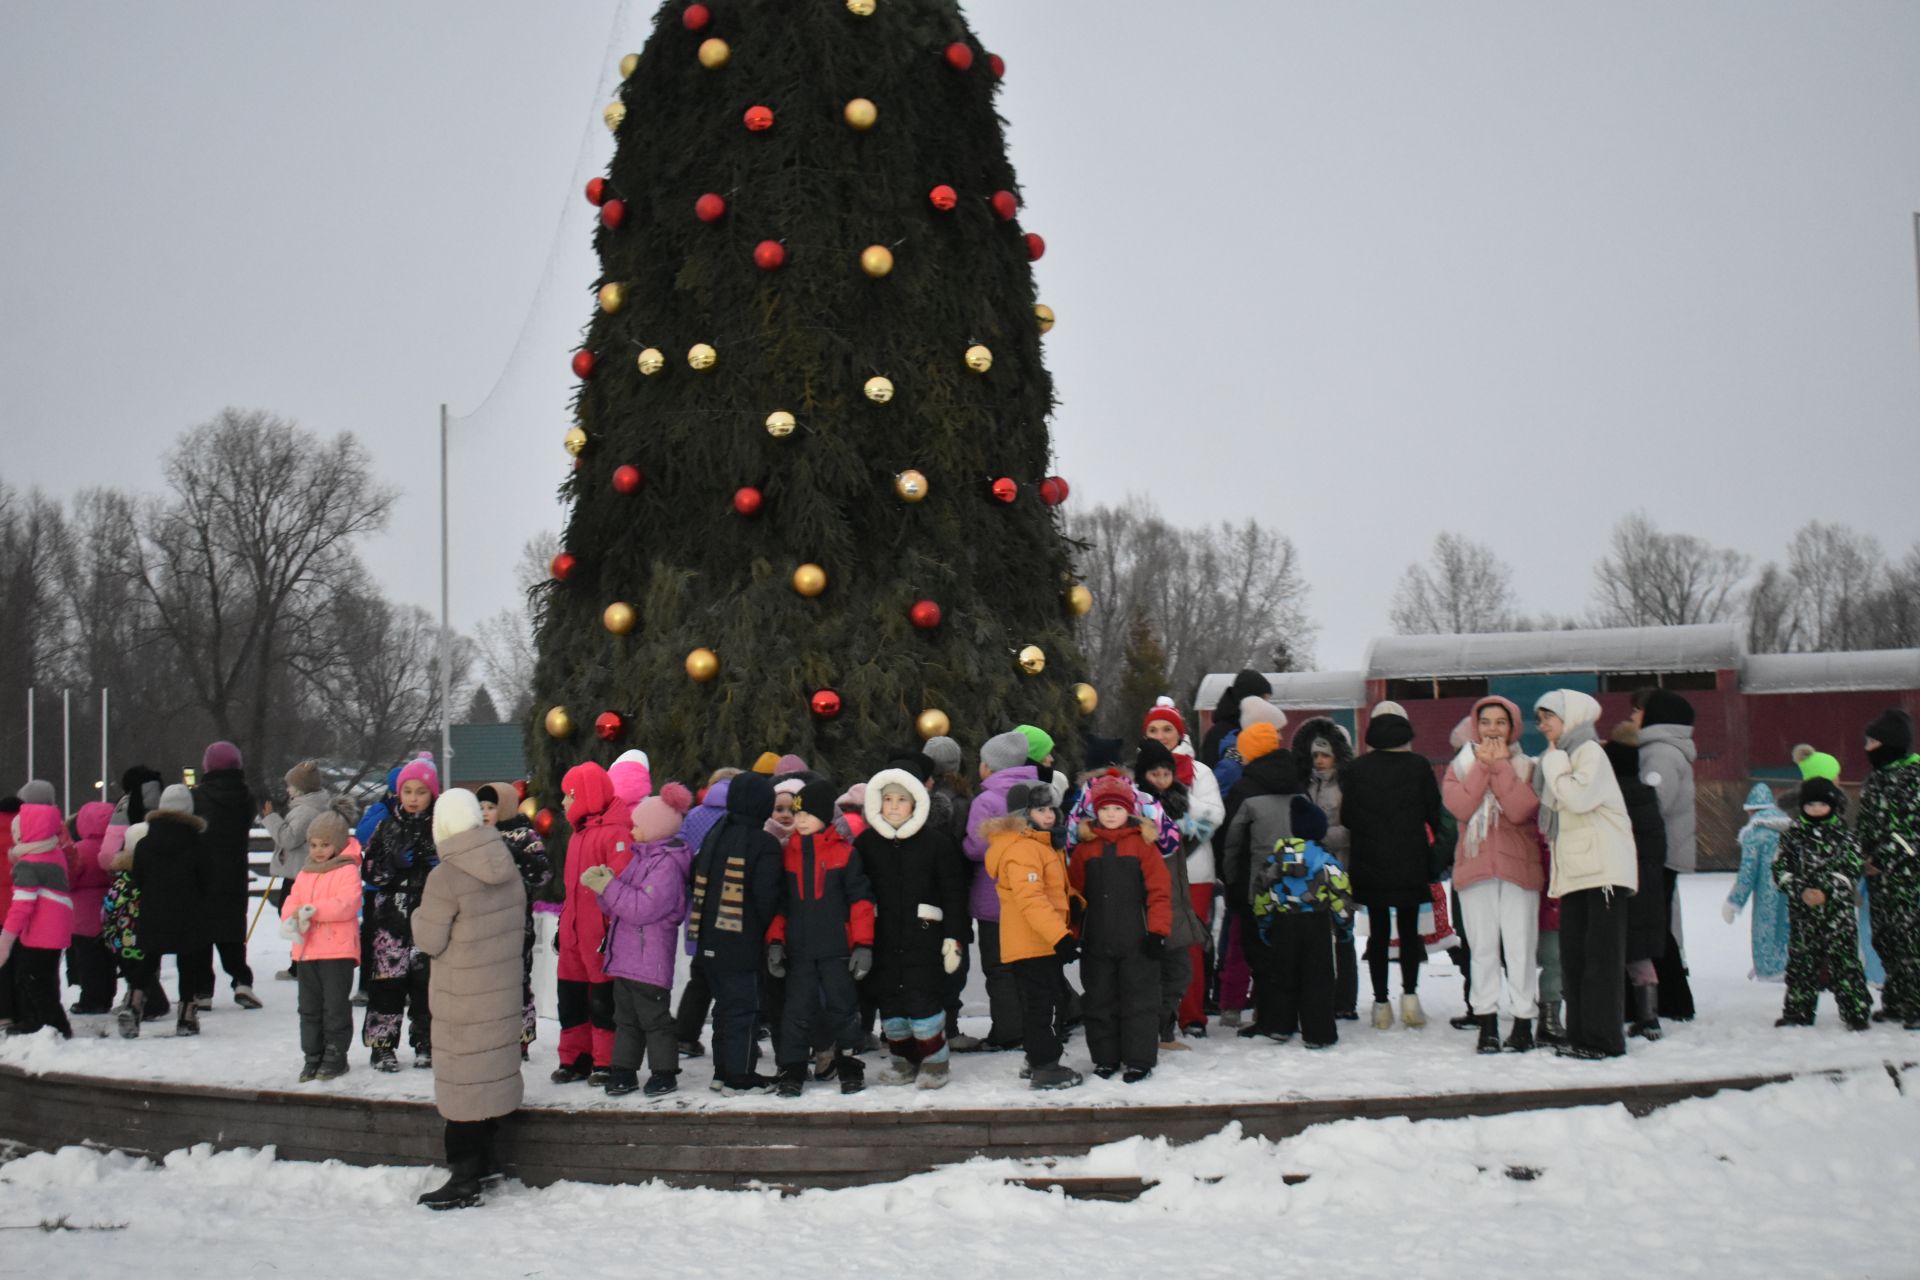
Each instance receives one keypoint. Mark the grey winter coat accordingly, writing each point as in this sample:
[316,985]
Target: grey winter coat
[472,921]
[1667,754]
[289,831]
[1261,822]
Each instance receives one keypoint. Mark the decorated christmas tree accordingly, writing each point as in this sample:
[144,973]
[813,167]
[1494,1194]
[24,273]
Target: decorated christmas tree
[811,501]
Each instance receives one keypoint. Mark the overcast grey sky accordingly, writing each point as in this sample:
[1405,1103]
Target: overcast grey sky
[1365,271]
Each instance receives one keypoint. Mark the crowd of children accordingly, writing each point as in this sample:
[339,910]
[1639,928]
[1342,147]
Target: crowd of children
[838,922]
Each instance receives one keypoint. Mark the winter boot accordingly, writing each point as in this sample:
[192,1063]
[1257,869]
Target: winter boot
[791,1082]
[1134,1075]
[1785,1021]
[1581,1052]
[898,1071]
[1552,1030]
[1410,1011]
[188,1021]
[1520,1039]
[737,1086]
[853,1074]
[203,1003]
[423,1059]
[1105,1070]
[1056,1076]
[244,997]
[573,1072]
[461,1190]
[1490,1032]
[660,1083]
[1229,1017]
[386,1060]
[964,1043]
[1382,1016]
[823,1064]
[621,1082]
[597,1078]
[1646,1013]
[332,1067]
[692,1049]
[128,1015]
[311,1071]
[1194,1031]
[933,1075]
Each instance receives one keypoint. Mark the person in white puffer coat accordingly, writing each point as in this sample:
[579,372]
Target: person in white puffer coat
[1204,812]
[1595,870]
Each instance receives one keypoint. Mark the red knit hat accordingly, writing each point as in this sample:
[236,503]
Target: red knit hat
[1112,788]
[1163,709]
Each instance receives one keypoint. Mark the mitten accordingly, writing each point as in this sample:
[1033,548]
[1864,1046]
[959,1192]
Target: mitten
[290,929]
[1068,948]
[777,959]
[1154,945]
[1728,911]
[950,955]
[306,915]
[597,878]
[860,963]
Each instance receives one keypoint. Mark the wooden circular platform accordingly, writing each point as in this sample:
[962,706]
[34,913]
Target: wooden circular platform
[707,1148]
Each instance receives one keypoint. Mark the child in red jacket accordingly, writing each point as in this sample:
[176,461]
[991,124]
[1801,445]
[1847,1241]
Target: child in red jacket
[821,942]
[1118,870]
[39,920]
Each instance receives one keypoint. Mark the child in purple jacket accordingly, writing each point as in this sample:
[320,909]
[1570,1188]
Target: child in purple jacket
[644,906]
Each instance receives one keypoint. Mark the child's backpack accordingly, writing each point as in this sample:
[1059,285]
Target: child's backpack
[120,917]
[1286,882]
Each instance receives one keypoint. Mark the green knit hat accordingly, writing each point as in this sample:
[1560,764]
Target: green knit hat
[1815,764]
[1039,742]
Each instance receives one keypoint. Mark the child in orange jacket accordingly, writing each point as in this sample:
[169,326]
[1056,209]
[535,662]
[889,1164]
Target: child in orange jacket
[1118,871]
[1030,876]
[321,916]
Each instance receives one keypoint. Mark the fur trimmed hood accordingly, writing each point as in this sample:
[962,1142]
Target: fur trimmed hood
[922,804]
[1317,729]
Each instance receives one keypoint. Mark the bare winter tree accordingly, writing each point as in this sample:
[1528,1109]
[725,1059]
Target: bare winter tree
[1464,588]
[1892,615]
[1773,624]
[1649,578]
[1836,572]
[31,528]
[255,538]
[505,640]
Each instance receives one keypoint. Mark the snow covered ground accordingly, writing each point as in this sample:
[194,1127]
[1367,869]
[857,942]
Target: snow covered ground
[1734,1035]
[1794,1179]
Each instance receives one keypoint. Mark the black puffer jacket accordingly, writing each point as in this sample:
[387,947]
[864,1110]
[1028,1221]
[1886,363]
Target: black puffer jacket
[919,881]
[1390,804]
[169,870]
[1647,912]
[730,928]
[224,803]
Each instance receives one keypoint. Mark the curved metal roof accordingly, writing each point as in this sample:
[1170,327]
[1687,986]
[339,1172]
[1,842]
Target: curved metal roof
[1831,672]
[1312,690]
[1706,647]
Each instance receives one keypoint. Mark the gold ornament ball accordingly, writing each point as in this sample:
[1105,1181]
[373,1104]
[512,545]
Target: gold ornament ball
[780,424]
[628,65]
[979,359]
[931,723]
[703,665]
[1087,698]
[652,361]
[619,617]
[612,297]
[860,8]
[809,580]
[529,807]
[559,723]
[1043,316]
[714,53]
[910,485]
[576,440]
[876,260]
[1079,601]
[860,114]
[1033,660]
[702,356]
[613,115]
[879,390]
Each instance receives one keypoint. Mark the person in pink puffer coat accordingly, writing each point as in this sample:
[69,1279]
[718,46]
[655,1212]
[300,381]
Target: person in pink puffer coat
[321,916]
[90,965]
[39,920]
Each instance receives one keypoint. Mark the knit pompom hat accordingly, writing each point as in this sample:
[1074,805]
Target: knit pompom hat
[789,763]
[304,778]
[853,799]
[1163,709]
[1112,788]
[455,813]
[817,799]
[657,817]
[632,779]
[945,754]
[1004,751]
[1039,742]
[1257,710]
[1258,740]
[330,827]
[420,769]
[220,755]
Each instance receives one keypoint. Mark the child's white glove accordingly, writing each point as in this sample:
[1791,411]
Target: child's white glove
[950,955]
[1728,911]
[290,928]
[597,878]
[306,916]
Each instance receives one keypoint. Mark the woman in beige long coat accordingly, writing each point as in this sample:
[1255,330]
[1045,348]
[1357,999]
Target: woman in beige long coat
[471,919]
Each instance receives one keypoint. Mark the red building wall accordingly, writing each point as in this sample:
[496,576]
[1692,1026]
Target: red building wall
[1833,722]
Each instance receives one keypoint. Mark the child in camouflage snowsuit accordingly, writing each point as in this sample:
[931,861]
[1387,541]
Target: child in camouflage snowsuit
[1889,830]
[1301,896]
[1817,868]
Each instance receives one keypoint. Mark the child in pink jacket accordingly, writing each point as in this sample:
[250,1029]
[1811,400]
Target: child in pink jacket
[322,918]
[90,965]
[39,920]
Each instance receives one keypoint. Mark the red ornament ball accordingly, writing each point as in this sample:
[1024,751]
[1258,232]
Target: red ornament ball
[1036,247]
[596,190]
[582,364]
[609,725]
[943,197]
[824,704]
[769,255]
[1005,205]
[613,213]
[997,65]
[924,614]
[959,56]
[543,822]
[747,500]
[710,207]
[563,565]
[758,119]
[626,478]
[1005,490]
[520,790]
[1054,491]
[695,17]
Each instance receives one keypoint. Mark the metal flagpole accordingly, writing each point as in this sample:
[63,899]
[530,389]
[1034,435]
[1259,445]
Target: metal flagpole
[106,787]
[30,693]
[66,751]
[446,623]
